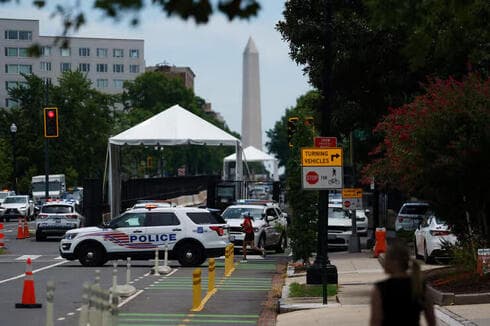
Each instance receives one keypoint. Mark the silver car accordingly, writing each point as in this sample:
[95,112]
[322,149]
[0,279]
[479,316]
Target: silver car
[410,215]
[55,218]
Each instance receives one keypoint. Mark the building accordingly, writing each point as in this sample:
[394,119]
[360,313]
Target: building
[183,73]
[106,62]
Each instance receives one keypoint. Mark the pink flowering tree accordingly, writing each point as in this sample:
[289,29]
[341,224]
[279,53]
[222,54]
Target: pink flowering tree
[438,148]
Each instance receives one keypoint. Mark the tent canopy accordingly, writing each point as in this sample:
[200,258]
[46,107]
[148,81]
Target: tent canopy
[251,154]
[174,126]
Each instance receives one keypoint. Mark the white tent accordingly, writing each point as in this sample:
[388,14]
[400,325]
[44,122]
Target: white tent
[174,126]
[252,154]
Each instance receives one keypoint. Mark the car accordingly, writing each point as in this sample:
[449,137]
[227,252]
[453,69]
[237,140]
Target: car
[144,203]
[410,215]
[4,194]
[56,217]
[340,225]
[17,206]
[431,236]
[270,225]
[190,234]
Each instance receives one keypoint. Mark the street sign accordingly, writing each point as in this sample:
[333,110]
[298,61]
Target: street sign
[352,193]
[325,141]
[321,177]
[331,156]
[352,203]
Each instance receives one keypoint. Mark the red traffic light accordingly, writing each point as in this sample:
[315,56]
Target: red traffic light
[51,122]
[51,114]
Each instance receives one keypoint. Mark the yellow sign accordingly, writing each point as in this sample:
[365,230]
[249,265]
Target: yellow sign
[331,156]
[351,192]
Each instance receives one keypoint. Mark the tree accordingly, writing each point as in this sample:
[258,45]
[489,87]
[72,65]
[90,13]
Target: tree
[438,148]
[306,105]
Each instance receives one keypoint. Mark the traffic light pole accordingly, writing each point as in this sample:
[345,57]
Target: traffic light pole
[46,151]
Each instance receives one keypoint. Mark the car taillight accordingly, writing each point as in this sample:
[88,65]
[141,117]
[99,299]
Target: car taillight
[42,215]
[72,215]
[218,230]
[439,233]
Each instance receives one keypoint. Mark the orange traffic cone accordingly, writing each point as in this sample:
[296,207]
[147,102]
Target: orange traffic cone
[28,294]
[380,245]
[20,230]
[2,236]
[26,228]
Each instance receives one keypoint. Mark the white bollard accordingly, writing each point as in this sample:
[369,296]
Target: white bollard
[97,278]
[156,269]
[49,304]
[127,289]
[114,280]
[106,309]
[83,321]
[92,303]
[115,310]
[165,269]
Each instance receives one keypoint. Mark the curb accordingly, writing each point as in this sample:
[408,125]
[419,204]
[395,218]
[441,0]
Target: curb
[449,298]
[451,318]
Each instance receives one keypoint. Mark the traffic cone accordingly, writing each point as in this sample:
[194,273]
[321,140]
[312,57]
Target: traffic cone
[20,230]
[26,228]
[2,236]
[28,294]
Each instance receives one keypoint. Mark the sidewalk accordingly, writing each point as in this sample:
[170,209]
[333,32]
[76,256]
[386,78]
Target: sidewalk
[357,273]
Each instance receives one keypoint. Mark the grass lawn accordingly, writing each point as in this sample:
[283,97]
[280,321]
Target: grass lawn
[311,290]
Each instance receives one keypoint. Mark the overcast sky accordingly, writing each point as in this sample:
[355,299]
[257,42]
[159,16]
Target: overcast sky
[213,51]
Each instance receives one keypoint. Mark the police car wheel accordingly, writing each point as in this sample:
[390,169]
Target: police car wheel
[91,255]
[190,255]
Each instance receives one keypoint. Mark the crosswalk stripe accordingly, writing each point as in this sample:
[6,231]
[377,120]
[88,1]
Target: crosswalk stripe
[25,257]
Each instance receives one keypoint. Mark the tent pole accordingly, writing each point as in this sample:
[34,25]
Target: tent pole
[238,171]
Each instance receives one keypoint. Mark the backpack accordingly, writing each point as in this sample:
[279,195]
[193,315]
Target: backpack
[247,226]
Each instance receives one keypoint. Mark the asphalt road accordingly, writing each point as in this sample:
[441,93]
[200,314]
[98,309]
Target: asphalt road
[159,300]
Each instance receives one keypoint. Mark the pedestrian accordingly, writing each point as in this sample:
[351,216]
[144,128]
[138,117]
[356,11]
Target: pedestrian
[400,298]
[249,239]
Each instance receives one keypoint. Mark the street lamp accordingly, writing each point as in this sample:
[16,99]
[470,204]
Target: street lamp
[13,131]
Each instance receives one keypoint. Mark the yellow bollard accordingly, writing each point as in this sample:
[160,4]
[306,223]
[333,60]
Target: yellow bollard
[227,259]
[232,259]
[211,275]
[196,288]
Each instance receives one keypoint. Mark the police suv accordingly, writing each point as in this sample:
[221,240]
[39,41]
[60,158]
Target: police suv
[190,234]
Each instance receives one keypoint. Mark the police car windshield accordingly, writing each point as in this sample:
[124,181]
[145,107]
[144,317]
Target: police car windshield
[237,213]
[128,220]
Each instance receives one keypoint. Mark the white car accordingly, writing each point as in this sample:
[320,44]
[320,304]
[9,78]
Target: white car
[17,206]
[4,194]
[190,234]
[430,236]
[270,225]
[55,218]
[340,225]
[410,215]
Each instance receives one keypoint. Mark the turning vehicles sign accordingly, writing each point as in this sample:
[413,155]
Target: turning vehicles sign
[321,168]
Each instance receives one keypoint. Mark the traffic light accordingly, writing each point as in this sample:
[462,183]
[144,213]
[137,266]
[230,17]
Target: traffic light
[292,125]
[51,123]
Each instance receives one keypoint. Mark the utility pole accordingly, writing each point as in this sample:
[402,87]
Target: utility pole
[46,152]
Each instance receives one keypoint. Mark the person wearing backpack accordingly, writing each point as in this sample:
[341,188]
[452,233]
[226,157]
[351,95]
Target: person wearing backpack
[248,240]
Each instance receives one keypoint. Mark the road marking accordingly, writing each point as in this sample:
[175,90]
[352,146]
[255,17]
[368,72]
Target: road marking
[25,257]
[59,258]
[34,271]
[126,319]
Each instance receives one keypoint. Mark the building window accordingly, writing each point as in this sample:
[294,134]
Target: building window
[118,68]
[102,53]
[10,85]
[16,69]
[118,83]
[118,53]
[84,67]
[47,80]
[134,53]
[101,67]
[45,66]
[65,52]
[102,83]
[9,103]
[11,35]
[23,52]
[11,52]
[65,66]
[84,52]
[25,35]
[46,51]
[134,69]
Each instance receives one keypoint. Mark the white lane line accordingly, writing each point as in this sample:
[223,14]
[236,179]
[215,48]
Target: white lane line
[61,318]
[59,258]
[25,257]
[70,314]
[34,271]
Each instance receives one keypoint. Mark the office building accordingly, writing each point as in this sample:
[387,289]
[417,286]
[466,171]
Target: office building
[107,62]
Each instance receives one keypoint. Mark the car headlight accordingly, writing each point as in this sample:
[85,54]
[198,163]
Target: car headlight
[70,236]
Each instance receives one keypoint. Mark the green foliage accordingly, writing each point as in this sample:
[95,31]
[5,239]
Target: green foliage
[6,166]
[438,148]
[307,290]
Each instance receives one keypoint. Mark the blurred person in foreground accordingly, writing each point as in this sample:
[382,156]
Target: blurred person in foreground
[399,299]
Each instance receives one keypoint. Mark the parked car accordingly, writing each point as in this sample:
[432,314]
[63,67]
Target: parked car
[430,237]
[4,194]
[270,225]
[17,206]
[191,234]
[340,224]
[57,217]
[410,215]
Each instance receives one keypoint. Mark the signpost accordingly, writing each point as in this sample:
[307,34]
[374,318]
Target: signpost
[352,200]
[321,168]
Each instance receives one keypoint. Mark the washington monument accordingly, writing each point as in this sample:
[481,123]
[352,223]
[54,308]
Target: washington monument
[251,117]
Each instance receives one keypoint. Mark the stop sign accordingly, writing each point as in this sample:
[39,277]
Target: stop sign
[312,177]
[347,203]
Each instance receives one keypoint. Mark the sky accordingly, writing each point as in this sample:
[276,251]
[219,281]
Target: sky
[213,51]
